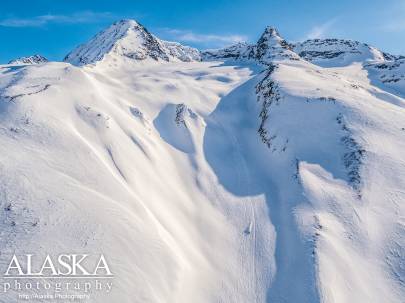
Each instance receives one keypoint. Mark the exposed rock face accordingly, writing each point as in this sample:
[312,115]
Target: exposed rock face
[270,46]
[338,51]
[129,39]
[35,59]
[236,51]
[324,52]
[181,52]
[232,181]
[389,74]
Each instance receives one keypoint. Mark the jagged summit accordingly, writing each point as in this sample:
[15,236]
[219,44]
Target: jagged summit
[129,39]
[270,32]
[338,52]
[271,38]
[272,46]
[34,59]
[269,47]
[235,51]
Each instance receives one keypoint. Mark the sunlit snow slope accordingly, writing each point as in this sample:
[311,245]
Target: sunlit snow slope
[259,177]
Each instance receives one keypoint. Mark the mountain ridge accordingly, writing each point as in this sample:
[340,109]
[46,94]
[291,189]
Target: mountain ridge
[128,38]
[34,59]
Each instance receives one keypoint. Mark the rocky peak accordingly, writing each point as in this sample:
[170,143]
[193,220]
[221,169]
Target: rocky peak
[338,52]
[272,46]
[35,59]
[129,39]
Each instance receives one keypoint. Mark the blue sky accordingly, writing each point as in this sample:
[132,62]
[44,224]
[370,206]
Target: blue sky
[52,28]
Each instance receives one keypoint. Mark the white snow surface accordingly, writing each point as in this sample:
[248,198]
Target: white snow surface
[247,180]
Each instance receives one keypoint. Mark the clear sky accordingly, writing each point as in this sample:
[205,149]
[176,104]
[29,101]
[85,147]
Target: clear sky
[53,27]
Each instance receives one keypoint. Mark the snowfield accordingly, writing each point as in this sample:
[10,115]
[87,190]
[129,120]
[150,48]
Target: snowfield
[265,173]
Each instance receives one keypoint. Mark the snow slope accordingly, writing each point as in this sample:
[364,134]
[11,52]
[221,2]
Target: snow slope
[389,75]
[101,170]
[262,177]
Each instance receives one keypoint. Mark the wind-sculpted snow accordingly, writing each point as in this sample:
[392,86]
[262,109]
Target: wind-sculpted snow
[178,134]
[85,169]
[266,178]
[271,46]
[323,52]
[181,52]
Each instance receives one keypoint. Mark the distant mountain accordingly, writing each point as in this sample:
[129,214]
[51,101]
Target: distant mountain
[336,52]
[35,59]
[129,39]
[241,50]
[325,52]
[270,46]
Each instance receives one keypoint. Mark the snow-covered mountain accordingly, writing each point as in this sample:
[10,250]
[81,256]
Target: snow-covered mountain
[129,39]
[338,52]
[239,50]
[323,52]
[271,172]
[269,47]
[35,59]
[389,75]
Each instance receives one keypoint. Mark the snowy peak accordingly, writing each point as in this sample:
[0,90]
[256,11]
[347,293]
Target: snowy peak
[35,59]
[271,37]
[389,75]
[181,52]
[323,52]
[270,46]
[338,52]
[235,51]
[129,39]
